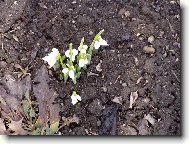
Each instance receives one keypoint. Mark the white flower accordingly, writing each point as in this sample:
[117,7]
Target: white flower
[100,42]
[71,54]
[83,62]
[75,98]
[83,49]
[70,72]
[52,57]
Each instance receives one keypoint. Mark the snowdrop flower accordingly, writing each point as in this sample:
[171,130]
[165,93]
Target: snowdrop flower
[71,54]
[75,98]
[100,42]
[70,71]
[83,62]
[52,57]
[83,49]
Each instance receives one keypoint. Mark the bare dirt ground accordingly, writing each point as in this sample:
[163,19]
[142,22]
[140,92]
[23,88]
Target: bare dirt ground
[143,60]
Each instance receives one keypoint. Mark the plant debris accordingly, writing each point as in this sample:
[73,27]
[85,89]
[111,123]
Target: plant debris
[133,98]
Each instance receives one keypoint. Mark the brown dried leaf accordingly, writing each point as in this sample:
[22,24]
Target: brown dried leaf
[16,126]
[9,101]
[45,97]
[54,113]
[69,120]
[2,127]
[17,87]
[133,97]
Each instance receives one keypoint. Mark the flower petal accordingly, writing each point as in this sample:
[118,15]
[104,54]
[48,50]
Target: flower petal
[81,63]
[71,74]
[74,99]
[103,42]
[65,70]
[85,47]
[67,53]
[73,58]
[96,44]
[78,97]
[75,52]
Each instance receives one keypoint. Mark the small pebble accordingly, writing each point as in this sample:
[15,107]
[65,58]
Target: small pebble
[98,123]
[104,89]
[127,14]
[148,50]
[124,84]
[90,33]
[151,39]
[3,65]
[74,2]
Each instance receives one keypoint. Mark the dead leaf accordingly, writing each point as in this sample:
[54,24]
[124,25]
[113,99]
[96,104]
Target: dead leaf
[150,119]
[117,100]
[17,87]
[133,97]
[54,113]
[69,120]
[11,102]
[45,97]
[2,127]
[23,73]
[16,126]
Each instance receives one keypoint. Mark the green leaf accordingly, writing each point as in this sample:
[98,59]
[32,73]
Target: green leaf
[61,77]
[26,107]
[89,59]
[32,113]
[78,69]
[74,80]
[27,96]
[77,75]
[56,66]
[37,131]
[65,78]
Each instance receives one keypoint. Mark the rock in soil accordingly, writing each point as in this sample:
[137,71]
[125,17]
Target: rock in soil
[148,50]
[151,39]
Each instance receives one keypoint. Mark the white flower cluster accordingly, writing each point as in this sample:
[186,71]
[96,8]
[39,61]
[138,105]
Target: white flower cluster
[75,60]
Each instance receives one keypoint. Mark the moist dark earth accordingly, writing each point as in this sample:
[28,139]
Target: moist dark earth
[143,56]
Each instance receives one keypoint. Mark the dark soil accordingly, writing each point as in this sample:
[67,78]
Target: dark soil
[31,28]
